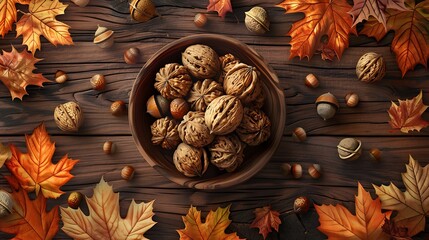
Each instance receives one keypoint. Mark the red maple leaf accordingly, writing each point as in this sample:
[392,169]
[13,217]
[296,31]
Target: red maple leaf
[220,6]
[265,220]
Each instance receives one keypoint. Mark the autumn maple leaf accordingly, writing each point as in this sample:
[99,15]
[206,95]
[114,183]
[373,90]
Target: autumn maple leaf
[104,220]
[395,232]
[322,18]
[35,171]
[212,229]
[41,21]
[29,220]
[338,223]
[265,220]
[363,9]
[220,6]
[411,41]
[413,204]
[16,72]
[408,115]
[5,154]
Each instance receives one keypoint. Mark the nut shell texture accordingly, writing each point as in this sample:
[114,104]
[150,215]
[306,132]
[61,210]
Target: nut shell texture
[190,161]
[257,21]
[203,93]
[224,114]
[242,81]
[371,67]
[74,199]
[227,62]
[194,131]
[132,55]
[142,10]
[173,81]
[255,128]
[6,203]
[68,116]
[164,133]
[349,149]
[201,61]
[227,152]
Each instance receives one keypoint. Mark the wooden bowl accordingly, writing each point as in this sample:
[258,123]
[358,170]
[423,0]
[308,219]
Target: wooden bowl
[161,159]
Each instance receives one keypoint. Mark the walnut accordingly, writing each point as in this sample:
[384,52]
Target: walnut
[258,102]
[224,114]
[203,93]
[242,81]
[194,131]
[255,127]
[173,81]
[201,61]
[371,67]
[227,62]
[164,133]
[227,152]
[190,161]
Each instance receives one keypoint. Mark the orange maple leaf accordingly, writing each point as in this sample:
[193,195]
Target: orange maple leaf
[408,115]
[322,18]
[338,223]
[212,229]
[29,219]
[220,6]
[35,171]
[7,16]
[41,21]
[363,9]
[16,72]
[265,220]
[411,41]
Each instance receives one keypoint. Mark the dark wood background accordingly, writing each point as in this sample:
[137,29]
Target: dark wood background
[368,121]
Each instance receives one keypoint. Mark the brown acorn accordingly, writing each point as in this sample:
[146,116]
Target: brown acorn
[375,154]
[158,106]
[132,55]
[299,134]
[200,20]
[74,199]
[127,173]
[296,171]
[301,205]
[311,81]
[109,147]
[327,106]
[315,171]
[118,108]
[352,99]
[179,108]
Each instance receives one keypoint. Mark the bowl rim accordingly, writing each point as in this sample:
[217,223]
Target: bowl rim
[202,184]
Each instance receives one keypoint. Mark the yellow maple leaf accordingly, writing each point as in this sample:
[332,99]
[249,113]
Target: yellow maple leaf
[7,16]
[41,21]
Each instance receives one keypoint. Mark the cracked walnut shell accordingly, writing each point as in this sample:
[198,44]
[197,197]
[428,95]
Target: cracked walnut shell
[227,152]
[371,67]
[194,131]
[190,161]
[201,61]
[164,132]
[227,62]
[242,81]
[203,93]
[173,81]
[224,114]
[255,128]
[68,116]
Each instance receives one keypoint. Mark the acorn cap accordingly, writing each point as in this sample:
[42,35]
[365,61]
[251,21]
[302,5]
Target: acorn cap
[103,36]
[328,98]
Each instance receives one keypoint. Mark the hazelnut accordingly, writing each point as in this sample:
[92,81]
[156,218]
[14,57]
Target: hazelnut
[200,19]
[286,169]
[301,205]
[349,149]
[311,81]
[352,99]
[118,108]
[74,199]
[315,171]
[179,108]
[98,82]
[109,147]
[60,77]
[158,106]
[127,173]
[296,171]
[375,154]
[299,134]
[132,55]
[327,106]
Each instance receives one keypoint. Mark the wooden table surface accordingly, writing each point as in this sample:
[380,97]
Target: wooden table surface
[368,121]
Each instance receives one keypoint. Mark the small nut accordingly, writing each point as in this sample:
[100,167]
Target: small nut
[74,199]
[68,116]
[179,108]
[352,99]
[98,82]
[375,154]
[127,173]
[311,81]
[315,171]
[301,205]
[296,171]
[349,149]
[132,55]
[103,37]
[158,106]
[257,21]
[286,169]
[200,20]
[60,76]
[109,147]
[299,134]
[327,106]
[118,108]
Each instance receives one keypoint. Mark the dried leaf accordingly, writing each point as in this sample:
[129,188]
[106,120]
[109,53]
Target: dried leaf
[411,41]
[408,115]
[363,9]
[5,154]
[7,16]
[220,6]
[322,18]
[265,220]
[338,223]
[30,220]
[41,21]
[35,171]
[104,220]
[395,232]
[413,204]
[16,72]
[212,229]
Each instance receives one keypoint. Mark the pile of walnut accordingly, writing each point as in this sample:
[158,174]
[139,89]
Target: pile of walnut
[209,108]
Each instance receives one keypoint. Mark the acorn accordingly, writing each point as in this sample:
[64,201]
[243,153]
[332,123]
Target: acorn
[98,82]
[103,37]
[200,20]
[315,171]
[375,154]
[286,169]
[349,149]
[179,107]
[311,81]
[60,76]
[301,205]
[118,108]
[352,99]
[327,106]
[142,10]
[296,171]
[132,55]
[74,199]
[299,134]
[127,173]
[158,106]
[109,147]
